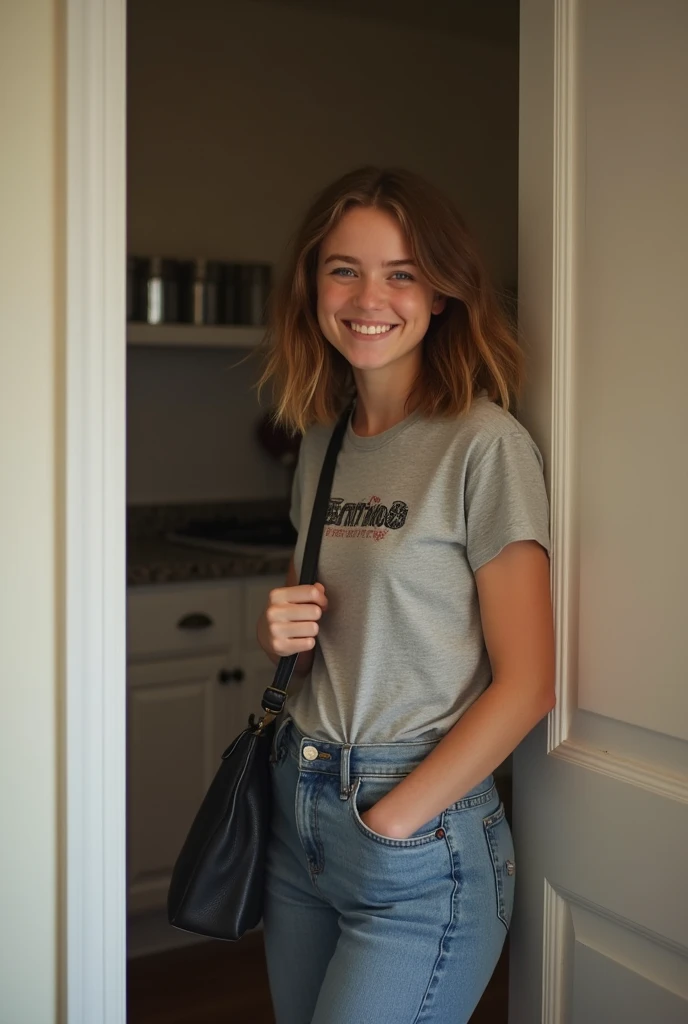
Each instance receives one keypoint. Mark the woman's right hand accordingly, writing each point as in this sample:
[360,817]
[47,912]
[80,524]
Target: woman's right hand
[290,622]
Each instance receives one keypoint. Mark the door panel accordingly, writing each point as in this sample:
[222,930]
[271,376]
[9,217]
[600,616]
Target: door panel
[600,926]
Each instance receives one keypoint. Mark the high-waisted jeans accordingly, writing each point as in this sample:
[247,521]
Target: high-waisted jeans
[363,929]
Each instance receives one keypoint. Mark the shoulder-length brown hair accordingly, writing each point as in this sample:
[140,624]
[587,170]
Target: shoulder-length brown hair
[468,347]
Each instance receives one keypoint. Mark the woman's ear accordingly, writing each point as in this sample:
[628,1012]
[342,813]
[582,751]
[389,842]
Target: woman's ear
[439,303]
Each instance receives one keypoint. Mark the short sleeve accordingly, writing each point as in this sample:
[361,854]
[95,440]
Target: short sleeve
[505,498]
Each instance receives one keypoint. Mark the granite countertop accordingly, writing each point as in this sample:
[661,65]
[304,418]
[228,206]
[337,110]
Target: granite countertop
[151,558]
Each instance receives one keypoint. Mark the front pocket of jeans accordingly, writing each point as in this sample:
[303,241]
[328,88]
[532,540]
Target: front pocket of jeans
[428,833]
[501,848]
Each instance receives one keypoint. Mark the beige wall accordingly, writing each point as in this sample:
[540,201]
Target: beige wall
[237,113]
[31,478]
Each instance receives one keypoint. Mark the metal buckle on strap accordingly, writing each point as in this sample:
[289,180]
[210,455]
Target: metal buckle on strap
[259,726]
[275,704]
[276,690]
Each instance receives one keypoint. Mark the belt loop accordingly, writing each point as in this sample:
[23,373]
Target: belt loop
[344,786]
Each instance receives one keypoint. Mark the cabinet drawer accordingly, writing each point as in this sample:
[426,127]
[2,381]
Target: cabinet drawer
[183,620]
[255,599]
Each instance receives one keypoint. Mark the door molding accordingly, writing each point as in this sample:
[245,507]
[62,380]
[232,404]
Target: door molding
[563,457]
[93,934]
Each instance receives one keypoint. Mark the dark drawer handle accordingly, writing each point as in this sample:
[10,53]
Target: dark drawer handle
[234,676]
[195,620]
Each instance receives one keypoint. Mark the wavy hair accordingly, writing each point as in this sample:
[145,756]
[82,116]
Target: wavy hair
[470,346]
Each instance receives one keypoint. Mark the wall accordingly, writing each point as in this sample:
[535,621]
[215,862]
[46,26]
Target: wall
[237,114]
[31,474]
[191,420]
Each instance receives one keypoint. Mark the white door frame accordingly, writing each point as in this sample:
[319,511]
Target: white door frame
[93,933]
[94,963]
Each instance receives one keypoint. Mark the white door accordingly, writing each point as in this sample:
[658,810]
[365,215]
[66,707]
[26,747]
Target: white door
[600,926]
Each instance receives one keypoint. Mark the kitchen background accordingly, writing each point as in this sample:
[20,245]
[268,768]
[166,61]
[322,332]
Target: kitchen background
[238,112]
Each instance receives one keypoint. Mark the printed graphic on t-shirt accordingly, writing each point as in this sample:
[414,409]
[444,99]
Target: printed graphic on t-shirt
[364,520]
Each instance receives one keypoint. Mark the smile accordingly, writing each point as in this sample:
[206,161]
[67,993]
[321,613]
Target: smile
[378,329]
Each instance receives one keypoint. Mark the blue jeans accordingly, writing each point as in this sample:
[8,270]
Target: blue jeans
[363,929]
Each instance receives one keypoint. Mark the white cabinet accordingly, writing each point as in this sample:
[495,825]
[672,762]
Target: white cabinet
[195,673]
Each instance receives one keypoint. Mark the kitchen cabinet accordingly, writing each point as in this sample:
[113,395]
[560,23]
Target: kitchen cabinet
[195,672]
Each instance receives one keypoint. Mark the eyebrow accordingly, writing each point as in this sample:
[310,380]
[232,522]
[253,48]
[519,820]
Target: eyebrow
[356,262]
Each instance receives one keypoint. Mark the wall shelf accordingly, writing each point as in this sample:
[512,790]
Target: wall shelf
[192,336]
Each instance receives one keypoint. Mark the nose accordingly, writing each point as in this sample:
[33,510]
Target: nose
[369,295]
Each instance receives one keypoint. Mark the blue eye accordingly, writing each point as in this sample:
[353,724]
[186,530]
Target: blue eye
[342,270]
[404,275]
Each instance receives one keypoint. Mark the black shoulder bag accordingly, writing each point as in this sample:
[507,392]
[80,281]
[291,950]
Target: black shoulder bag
[216,887]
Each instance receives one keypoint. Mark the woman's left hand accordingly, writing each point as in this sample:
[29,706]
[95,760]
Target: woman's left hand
[376,821]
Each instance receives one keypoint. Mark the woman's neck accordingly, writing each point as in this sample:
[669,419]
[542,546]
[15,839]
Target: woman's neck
[381,402]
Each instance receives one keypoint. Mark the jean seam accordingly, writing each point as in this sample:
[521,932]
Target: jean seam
[316,831]
[488,828]
[472,801]
[442,952]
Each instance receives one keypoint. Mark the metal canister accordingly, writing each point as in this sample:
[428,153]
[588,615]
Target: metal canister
[159,291]
[230,312]
[253,291]
[201,291]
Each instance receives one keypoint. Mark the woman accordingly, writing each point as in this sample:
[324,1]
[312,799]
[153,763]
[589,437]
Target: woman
[426,647]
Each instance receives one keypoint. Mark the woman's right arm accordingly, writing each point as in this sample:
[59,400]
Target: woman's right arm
[289,623]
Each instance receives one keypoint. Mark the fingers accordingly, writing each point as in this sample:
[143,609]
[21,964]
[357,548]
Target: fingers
[293,612]
[291,618]
[301,594]
[285,648]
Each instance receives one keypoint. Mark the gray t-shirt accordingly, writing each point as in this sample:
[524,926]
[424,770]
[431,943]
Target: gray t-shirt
[414,512]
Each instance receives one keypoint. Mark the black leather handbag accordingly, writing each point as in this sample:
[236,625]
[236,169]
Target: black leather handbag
[216,887]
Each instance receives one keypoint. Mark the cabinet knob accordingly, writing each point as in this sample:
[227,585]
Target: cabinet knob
[195,620]
[235,675]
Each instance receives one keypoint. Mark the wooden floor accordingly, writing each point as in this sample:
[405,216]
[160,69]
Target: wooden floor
[226,983]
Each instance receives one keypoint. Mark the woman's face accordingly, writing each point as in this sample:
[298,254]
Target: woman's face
[374,306]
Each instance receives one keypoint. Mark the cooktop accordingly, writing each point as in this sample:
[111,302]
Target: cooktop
[264,537]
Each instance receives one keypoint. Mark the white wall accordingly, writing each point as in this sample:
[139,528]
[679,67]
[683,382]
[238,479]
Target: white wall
[237,114]
[31,540]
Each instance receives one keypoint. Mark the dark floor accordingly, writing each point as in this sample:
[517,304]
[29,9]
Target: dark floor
[226,983]
[198,985]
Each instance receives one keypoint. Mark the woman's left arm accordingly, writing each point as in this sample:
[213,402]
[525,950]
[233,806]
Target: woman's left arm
[516,613]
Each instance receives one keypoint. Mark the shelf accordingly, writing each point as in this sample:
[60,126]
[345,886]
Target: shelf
[191,336]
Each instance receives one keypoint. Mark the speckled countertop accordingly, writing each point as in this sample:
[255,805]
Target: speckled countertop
[151,558]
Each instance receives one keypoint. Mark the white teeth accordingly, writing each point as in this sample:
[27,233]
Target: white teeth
[377,329]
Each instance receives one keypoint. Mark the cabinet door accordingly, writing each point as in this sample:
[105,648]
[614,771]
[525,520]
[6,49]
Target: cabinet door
[181,716]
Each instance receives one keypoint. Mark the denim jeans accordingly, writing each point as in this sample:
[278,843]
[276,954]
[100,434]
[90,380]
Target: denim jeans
[363,929]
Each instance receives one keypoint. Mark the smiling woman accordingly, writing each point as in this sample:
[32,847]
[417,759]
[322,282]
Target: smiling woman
[376,250]
[426,643]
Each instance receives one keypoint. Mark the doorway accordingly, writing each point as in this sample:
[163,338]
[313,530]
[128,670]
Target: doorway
[227,138]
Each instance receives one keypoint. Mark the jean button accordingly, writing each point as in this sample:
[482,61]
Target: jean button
[310,753]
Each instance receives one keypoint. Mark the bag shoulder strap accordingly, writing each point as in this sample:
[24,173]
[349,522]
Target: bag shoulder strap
[276,694]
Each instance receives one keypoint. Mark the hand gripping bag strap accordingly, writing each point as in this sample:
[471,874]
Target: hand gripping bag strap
[275,695]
